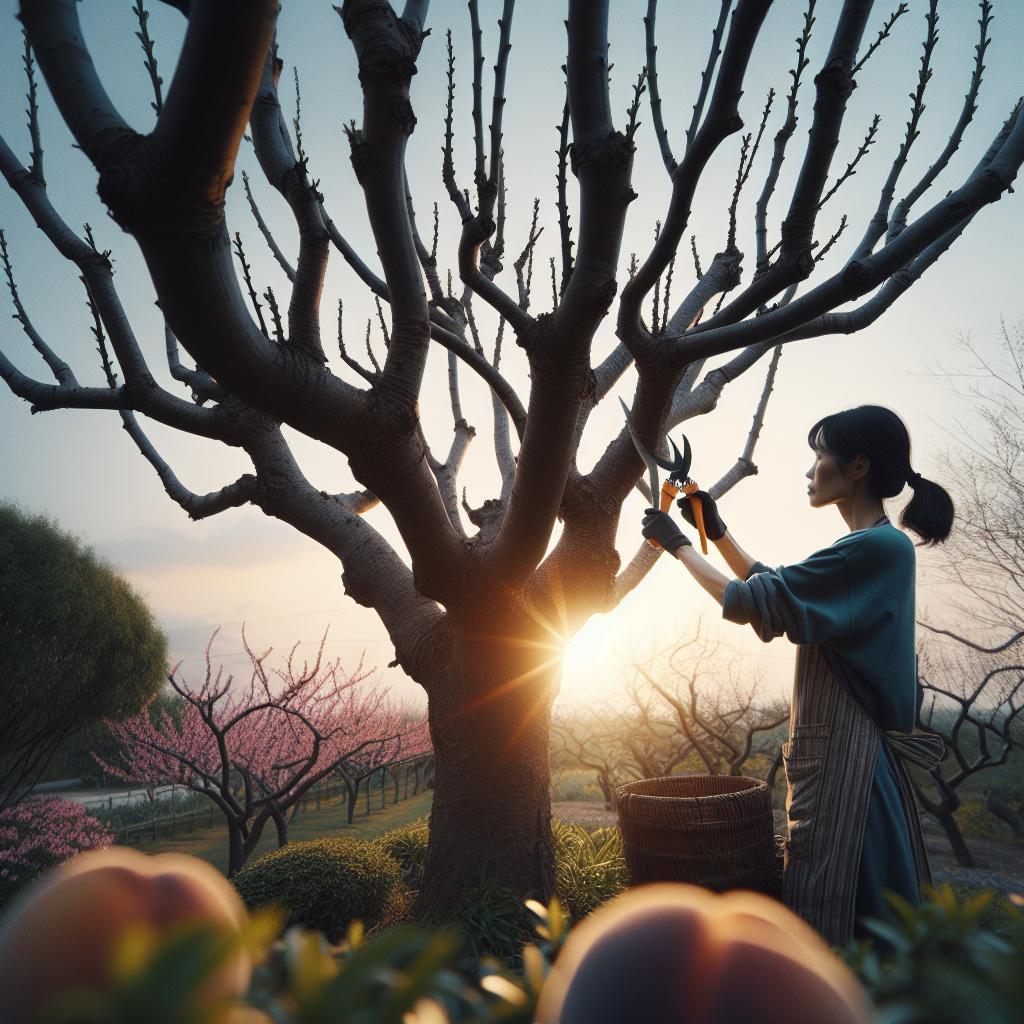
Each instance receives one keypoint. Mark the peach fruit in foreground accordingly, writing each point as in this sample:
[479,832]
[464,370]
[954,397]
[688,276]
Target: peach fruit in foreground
[63,932]
[668,954]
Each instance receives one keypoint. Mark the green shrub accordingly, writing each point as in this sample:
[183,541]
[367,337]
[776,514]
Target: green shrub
[939,964]
[976,821]
[325,884]
[590,867]
[407,846]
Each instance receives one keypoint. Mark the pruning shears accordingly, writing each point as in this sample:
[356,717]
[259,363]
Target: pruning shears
[678,479]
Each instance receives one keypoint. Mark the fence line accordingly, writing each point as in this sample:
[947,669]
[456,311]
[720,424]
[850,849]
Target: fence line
[318,796]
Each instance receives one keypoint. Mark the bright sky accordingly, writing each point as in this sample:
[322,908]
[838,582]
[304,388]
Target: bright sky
[80,468]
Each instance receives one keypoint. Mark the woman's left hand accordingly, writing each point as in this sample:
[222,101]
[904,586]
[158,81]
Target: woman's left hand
[658,526]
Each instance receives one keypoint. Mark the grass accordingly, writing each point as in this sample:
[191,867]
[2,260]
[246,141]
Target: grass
[211,844]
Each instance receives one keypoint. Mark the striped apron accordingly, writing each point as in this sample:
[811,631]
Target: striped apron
[829,760]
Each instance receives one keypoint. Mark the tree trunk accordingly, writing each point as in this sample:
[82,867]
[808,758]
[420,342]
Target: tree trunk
[944,816]
[490,819]
[236,847]
[773,772]
[352,794]
[281,821]
[942,810]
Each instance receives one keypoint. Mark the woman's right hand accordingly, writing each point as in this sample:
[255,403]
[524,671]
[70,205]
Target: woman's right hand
[714,528]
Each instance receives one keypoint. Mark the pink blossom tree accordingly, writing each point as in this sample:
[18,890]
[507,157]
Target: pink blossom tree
[256,749]
[40,833]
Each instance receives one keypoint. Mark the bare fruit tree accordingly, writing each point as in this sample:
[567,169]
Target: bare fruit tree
[481,617]
[971,691]
[973,699]
[685,709]
[619,744]
[723,715]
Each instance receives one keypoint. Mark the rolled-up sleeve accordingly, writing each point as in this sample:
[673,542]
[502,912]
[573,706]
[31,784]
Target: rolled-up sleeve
[808,602]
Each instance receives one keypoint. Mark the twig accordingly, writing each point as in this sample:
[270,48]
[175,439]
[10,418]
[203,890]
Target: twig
[652,75]
[832,241]
[35,166]
[369,347]
[851,167]
[275,312]
[288,269]
[708,72]
[460,199]
[668,293]
[564,228]
[349,361]
[383,325]
[782,137]
[149,63]
[634,108]
[882,35]
[247,277]
[297,120]
[60,369]
[525,259]
[902,210]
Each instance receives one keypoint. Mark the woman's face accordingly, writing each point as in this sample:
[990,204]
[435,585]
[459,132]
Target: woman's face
[830,480]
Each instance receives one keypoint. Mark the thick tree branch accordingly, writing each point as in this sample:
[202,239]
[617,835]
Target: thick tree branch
[387,48]
[721,121]
[652,77]
[834,84]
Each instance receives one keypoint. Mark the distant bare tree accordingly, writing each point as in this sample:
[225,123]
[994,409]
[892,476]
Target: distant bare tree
[703,695]
[972,698]
[479,618]
[620,744]
[983,560]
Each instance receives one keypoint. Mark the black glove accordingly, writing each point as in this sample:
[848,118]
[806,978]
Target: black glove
[658,526]
[713,525]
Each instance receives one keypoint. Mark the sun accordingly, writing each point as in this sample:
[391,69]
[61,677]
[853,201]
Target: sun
[591,669]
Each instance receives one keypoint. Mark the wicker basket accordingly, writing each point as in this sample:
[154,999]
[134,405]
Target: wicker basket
[710,830]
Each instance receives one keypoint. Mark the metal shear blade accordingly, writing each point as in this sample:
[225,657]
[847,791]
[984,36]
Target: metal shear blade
[649,461]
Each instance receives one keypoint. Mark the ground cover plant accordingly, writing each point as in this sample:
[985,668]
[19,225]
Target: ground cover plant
[936,964]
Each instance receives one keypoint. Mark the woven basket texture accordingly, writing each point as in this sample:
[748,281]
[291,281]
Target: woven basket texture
[714,831]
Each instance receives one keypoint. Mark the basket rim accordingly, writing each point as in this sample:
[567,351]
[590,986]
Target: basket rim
[626,789]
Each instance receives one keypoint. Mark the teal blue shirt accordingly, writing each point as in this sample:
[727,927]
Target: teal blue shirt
[857,600]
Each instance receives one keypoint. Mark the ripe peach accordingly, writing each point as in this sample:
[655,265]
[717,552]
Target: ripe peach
[677,953]
[63,932]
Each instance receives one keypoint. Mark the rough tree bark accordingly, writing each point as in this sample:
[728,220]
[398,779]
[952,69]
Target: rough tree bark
[480,618]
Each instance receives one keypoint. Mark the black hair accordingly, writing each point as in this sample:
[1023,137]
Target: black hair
[881,437]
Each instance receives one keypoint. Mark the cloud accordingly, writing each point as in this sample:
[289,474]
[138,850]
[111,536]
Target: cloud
[243,540]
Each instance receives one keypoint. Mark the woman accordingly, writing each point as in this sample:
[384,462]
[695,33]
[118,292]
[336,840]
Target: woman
[854,830]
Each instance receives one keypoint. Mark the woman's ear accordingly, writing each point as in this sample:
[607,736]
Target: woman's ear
[859,468]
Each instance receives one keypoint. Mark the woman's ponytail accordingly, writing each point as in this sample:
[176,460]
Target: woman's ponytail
[930,512]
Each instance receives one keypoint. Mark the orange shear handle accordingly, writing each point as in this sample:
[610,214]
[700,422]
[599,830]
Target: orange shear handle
[697,507]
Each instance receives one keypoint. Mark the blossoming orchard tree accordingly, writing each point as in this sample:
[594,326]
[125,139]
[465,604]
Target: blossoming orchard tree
[480,618]
[255,750]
